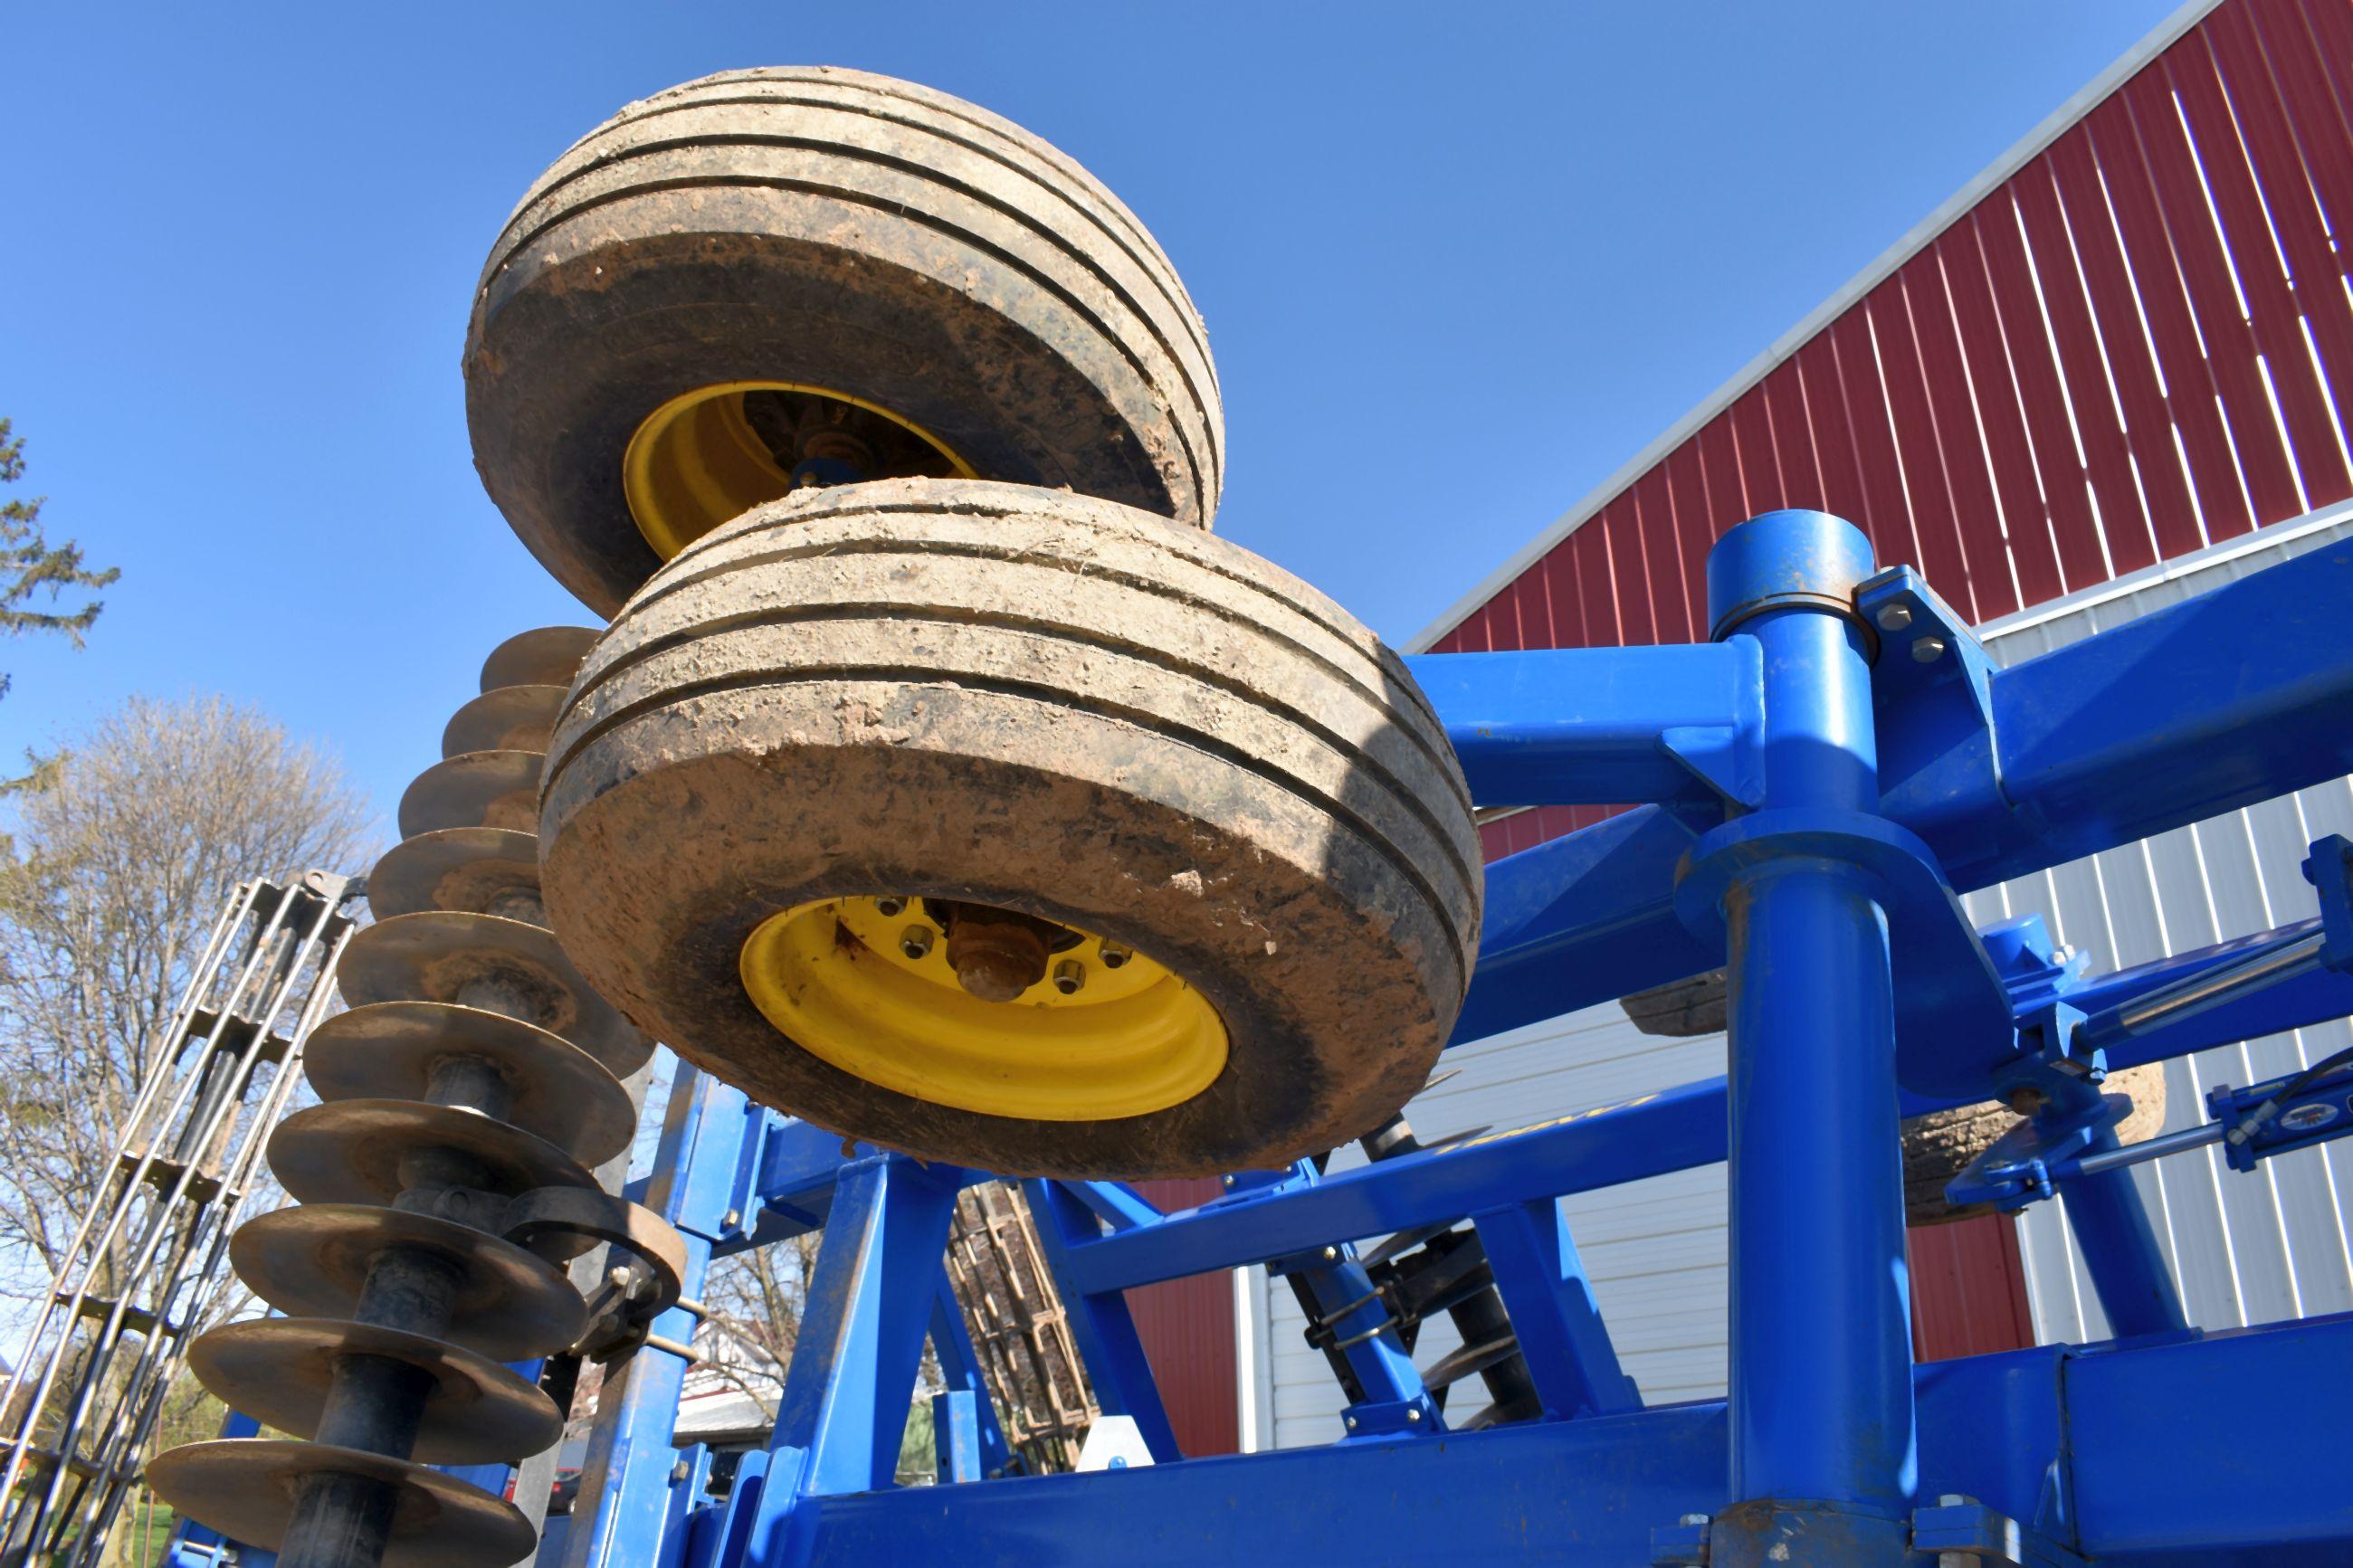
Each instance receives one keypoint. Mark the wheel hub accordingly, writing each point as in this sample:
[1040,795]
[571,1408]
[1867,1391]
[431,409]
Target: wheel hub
[715,453]
[983,1008]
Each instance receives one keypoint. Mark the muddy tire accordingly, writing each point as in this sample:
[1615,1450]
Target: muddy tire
[1040,702]
[827,229]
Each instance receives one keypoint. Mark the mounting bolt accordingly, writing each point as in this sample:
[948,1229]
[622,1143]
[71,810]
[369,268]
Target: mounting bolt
[1331,1254]
[1892,618]
[1113,955]
[1957,1559]
[1927,650]
[1352,1423]
[889,906]
[730,1219]
[1068,975]
[915,941]
[2026,1099]
[618,1277]
[1411,1417]
[678,1472]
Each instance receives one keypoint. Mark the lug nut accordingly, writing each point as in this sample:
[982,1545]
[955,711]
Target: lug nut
[1927,650]
[915,941]
[887,908]
[1068,975]
[1113,955]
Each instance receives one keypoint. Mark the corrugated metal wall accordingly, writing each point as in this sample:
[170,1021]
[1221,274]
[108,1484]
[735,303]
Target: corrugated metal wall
[2247,1248]
[1187,1330]
[2134,346]
[1654,1249]
[1970,1289]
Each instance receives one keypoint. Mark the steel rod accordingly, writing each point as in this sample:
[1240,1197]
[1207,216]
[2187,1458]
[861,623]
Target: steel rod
[2203,992]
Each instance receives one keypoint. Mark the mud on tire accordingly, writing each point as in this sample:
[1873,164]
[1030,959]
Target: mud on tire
[835,230]
[1048,703]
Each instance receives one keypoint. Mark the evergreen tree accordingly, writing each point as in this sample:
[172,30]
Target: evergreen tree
[28,565]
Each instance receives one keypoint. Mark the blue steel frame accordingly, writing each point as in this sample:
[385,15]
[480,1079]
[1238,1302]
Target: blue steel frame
[1838,764]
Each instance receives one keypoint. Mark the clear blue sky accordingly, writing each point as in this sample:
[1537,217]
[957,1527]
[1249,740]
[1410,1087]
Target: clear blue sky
[1457,264]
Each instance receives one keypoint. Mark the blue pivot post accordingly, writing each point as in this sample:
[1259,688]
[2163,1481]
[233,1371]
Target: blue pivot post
[1824,1465]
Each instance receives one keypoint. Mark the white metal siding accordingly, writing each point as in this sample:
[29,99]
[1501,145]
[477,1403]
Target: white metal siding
[2248,1248]
[1655,1250]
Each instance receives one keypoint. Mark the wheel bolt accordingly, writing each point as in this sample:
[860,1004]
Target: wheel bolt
[886,908]
[915,941]
[1068,975]
[1114,955]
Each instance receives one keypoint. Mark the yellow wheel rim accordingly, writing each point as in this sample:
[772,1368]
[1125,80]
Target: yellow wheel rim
[843,981]
[696,462]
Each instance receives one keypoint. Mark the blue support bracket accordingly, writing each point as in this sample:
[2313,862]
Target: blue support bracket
[1683,1544]
[1555,1317]
[2015,1170]
[1962,1530]
[1118,1205]
[1580,920]
[1603,726]
[955,1435]
[1932,708]
[2233,697]
[689,1498]
[843,1413]
[1099,1316]
[2328,867]
[1350,1320]
[1953,1016]
[979,1446]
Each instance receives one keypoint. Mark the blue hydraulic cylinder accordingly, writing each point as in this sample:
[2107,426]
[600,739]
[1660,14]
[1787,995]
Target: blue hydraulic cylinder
[1823,1446]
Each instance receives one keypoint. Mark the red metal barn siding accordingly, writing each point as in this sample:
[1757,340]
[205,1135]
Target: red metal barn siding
[1968,1289]
[1187,1330]
[2134,346]
[2137,343]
